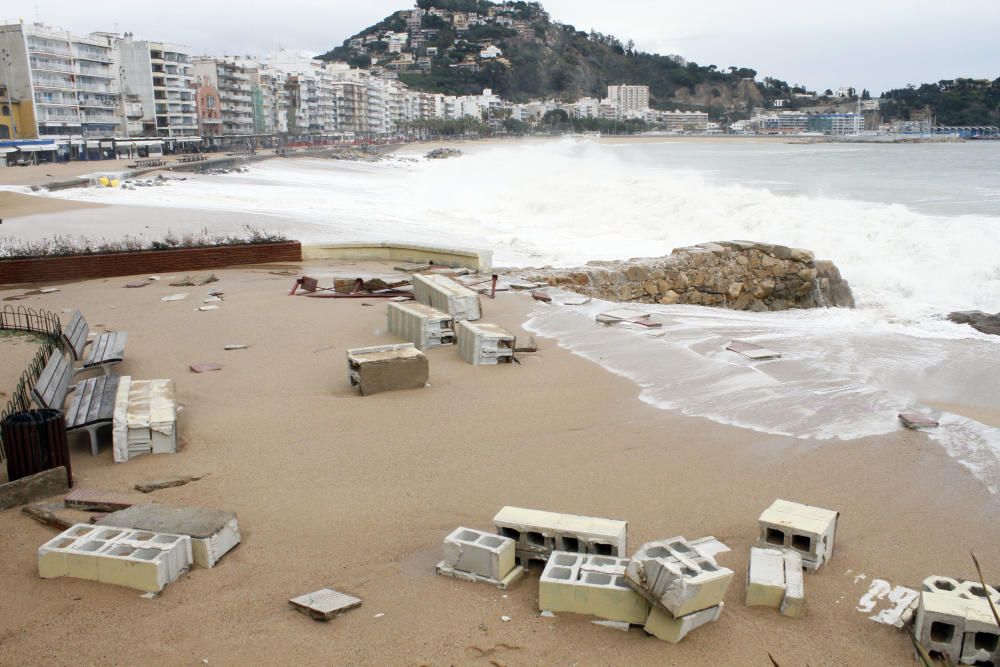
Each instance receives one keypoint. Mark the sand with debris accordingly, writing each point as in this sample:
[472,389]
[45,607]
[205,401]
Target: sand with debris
[356,493]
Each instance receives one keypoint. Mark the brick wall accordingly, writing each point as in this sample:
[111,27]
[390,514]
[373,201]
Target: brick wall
[83,267]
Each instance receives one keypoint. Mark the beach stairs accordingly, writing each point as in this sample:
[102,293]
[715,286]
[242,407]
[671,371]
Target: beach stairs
[140,559]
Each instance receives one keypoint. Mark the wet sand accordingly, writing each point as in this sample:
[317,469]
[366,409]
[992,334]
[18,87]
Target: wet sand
[356,493]
[18,205]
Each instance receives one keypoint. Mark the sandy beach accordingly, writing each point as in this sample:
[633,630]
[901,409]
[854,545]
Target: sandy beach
[356,493]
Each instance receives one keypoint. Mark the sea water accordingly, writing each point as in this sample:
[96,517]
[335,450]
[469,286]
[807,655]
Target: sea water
[915,229]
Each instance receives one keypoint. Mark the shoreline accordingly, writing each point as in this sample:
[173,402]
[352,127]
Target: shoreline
[359,492]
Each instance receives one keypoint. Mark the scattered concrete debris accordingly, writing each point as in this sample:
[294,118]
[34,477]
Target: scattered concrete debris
[55,515]
[803,528]
[473,555]
[630,316]
[211,299]
[668,628]
[530,346]
[538,295]
[481,343]
[915,421]
[138,559]
[324,604]
[591,585]
[98,500]
[204,308]
[751,351]
[186,281]
[896,604]
[709,546]
[672,575]
[506,619]
[955,620]
[774,579]
[49,290]
[211,278]
[51,482]
[445,294]
[139,283]
[213,532]
[520,285]
[386,368]
[538,533]
[420,324]
[614,625]
[577,302]
[167,482]
[413,268]
[547,614]
[145,418]
[175,297]
[235,346]
[205,367]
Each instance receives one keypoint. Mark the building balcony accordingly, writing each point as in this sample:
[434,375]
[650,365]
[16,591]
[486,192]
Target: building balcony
[97,73]
[50,66]
[95,57]
[49,50]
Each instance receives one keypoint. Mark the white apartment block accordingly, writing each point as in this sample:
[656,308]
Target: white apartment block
[63,84]
[629,98]
[157,84]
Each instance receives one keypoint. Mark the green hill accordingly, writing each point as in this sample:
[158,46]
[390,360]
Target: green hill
[540,58]
[956,102]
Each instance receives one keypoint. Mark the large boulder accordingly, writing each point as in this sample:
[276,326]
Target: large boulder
[742,275]
[978,320]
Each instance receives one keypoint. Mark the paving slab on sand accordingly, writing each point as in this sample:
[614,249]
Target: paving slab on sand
[198,522]
[324,604]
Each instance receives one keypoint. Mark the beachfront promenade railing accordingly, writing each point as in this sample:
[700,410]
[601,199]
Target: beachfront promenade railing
[33,321]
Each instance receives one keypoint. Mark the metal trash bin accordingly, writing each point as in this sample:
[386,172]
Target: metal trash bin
[35,440]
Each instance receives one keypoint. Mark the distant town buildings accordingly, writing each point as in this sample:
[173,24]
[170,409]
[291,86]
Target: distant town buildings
[629,98]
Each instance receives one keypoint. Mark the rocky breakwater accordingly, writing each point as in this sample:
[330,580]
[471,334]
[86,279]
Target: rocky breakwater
[741,275]
[978,320]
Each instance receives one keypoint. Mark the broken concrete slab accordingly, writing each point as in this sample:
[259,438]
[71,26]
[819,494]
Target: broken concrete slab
[143,560]
[915,421]
[539,295]
[166,483]
[667,628]
[45,484]
[675,576]
[145,419]
[387,368]
[794,602]
[139,283]
[804,528]
[629,316]
[205,367]
[765,578]
[592,585]
[175,297]
[751,351]
[213,532]
[235,346]
[186,281]
[413,268]
[324,604]
[538,533]
[99,500]
[55,515]
[709,546]
[204,308]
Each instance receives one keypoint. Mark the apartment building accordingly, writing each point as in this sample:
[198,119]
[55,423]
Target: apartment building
[158,87]
[231,82]
[58,83]
[629,98]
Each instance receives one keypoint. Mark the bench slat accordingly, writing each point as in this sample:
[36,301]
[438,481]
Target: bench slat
[109,346]
[53,384]
[93,402]
[77,413]
[76,334]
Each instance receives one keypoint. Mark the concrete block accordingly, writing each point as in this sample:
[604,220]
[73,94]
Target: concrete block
[666,627]
[420,324]
[445,294]
[51,482]
[213,532]
[674,575]
[480,343]
[476,552]
[145,418]
[954,619]
[324,604]
[386,368]
[592,585]
[143,560]
[806,529]
[765,578]
[794,602]
[538,533]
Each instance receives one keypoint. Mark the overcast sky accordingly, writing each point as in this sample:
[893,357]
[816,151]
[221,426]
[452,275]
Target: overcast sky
[874,44]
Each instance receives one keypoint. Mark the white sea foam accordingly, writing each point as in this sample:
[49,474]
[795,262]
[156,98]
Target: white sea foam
[911,228]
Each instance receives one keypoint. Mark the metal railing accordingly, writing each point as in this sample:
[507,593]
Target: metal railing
[32,321]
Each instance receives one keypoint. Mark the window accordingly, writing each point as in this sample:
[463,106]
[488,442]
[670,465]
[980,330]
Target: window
[5,110]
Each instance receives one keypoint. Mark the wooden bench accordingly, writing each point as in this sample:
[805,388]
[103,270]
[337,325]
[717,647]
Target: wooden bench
[105,351]
[192,158]
[147,163]
[93,404]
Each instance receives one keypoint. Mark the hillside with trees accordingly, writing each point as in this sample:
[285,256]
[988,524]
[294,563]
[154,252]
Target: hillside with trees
[954,102]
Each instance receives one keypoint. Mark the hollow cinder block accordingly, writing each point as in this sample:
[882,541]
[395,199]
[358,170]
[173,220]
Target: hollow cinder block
[445,294]
[484,344]
[538,533]
[480,553]
[420,324]
[668,628]
[954,618]
[387,368]
[804,528]
[674,575]
[592,585]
